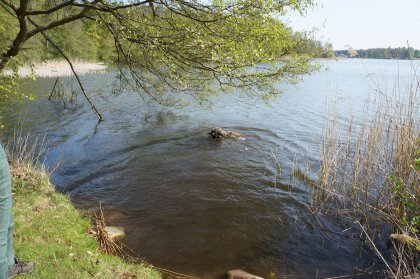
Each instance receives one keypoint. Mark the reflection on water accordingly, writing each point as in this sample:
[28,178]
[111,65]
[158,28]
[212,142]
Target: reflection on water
[196,205]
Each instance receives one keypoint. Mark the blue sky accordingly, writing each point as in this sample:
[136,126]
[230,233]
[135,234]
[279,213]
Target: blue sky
[363,23]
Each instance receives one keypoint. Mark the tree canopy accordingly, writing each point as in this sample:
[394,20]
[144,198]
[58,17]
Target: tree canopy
[195,47]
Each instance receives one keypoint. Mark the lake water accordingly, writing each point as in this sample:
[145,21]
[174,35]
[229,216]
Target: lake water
[201,206]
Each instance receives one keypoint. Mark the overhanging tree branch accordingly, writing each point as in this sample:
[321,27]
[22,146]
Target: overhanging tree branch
[10,5]
[92,105]
[181,46]
[20,37]
[58,23]
[50,11]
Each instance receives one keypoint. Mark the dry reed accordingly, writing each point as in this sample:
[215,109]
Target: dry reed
[25,150]
[369,174]
[106,244]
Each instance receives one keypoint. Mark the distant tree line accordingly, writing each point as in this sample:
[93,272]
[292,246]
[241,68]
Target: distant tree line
[380,53]
[313,47]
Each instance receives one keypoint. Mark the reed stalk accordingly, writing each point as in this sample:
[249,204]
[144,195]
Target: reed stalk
[369,174]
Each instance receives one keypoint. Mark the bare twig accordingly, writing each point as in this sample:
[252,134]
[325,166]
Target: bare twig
[53,89]
[92,105]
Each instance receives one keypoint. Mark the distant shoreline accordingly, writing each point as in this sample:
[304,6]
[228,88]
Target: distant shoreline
[58,68]
[365,58]
[55,68]
[340,58]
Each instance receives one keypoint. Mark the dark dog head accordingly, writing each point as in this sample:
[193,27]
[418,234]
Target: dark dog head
[217,133]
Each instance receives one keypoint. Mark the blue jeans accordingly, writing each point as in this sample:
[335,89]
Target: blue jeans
[7,258]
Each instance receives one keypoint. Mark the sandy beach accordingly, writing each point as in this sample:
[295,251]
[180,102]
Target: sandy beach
[58,68]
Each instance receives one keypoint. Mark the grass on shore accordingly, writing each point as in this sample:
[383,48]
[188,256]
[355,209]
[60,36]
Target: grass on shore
[53,234]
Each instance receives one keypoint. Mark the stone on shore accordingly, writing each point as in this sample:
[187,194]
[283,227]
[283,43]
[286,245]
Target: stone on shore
[240,274]
[114,233]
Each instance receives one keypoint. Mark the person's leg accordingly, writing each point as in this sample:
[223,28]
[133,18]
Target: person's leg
[6,219]
[11,258]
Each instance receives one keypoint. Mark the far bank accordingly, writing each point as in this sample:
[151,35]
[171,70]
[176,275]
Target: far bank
[57,68]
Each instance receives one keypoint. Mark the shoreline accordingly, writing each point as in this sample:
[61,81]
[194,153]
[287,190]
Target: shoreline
[53,234]
[58,68]
[55,68]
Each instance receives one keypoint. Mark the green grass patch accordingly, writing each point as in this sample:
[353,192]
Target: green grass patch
[53,234]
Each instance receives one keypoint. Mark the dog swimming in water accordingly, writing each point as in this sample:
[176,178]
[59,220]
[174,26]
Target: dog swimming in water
[218,133]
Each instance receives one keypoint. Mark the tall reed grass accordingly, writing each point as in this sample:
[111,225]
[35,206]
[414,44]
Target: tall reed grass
[25,151]
[369,175]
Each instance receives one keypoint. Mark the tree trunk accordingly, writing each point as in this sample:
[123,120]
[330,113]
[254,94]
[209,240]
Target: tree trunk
[20,37]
